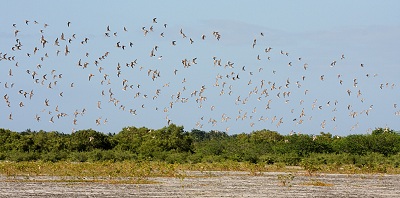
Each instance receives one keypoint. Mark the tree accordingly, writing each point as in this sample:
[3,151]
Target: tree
[199,136]
[386,143]
[171,138]
[88,140]
[131,138]
[379,131]
[265,136]
[352,144]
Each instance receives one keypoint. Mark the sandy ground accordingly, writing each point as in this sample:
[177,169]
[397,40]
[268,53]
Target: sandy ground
[211,184]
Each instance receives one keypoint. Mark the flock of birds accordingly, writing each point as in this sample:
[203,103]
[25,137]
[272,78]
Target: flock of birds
[157,71]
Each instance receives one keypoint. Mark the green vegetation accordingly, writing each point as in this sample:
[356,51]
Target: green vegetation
[265,149]
[286,179]
[317,183]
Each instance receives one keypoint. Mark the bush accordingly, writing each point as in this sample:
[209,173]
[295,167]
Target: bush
[18,156]
[79,156]
[212,159]
[88,140]
[176,158]
[370,161]
[310,164]
[95,155]
[3,156]
[268,158]
[53,156]
[123,155]
[174,145]
[290,159]
[195,158]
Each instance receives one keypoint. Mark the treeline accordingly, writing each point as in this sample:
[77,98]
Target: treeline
[174,145]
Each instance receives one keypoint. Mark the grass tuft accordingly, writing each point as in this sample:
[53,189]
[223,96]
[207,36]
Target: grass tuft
[316,183]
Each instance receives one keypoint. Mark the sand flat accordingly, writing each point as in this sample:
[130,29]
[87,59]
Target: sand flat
[211,184]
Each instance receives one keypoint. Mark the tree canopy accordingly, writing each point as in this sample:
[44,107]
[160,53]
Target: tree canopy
[174,144]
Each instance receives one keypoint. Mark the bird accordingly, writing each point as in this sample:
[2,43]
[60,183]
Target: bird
[90,76]
[66,50]
[16,33]
[229,87]
[46,102]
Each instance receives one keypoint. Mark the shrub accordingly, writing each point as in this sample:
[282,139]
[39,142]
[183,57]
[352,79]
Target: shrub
[212,158]
[290,159]
[18,156]
[173,158]
[79,156]
[268,158]
[53,156]
[3,156]
[310,165]
[286,179]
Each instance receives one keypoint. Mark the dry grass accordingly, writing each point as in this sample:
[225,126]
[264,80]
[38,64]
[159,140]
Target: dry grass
[286,179]
[352,169]
[102,181]
[92,169]
[141,171]
[316,183]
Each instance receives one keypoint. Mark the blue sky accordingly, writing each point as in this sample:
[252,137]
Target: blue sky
[315,33]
